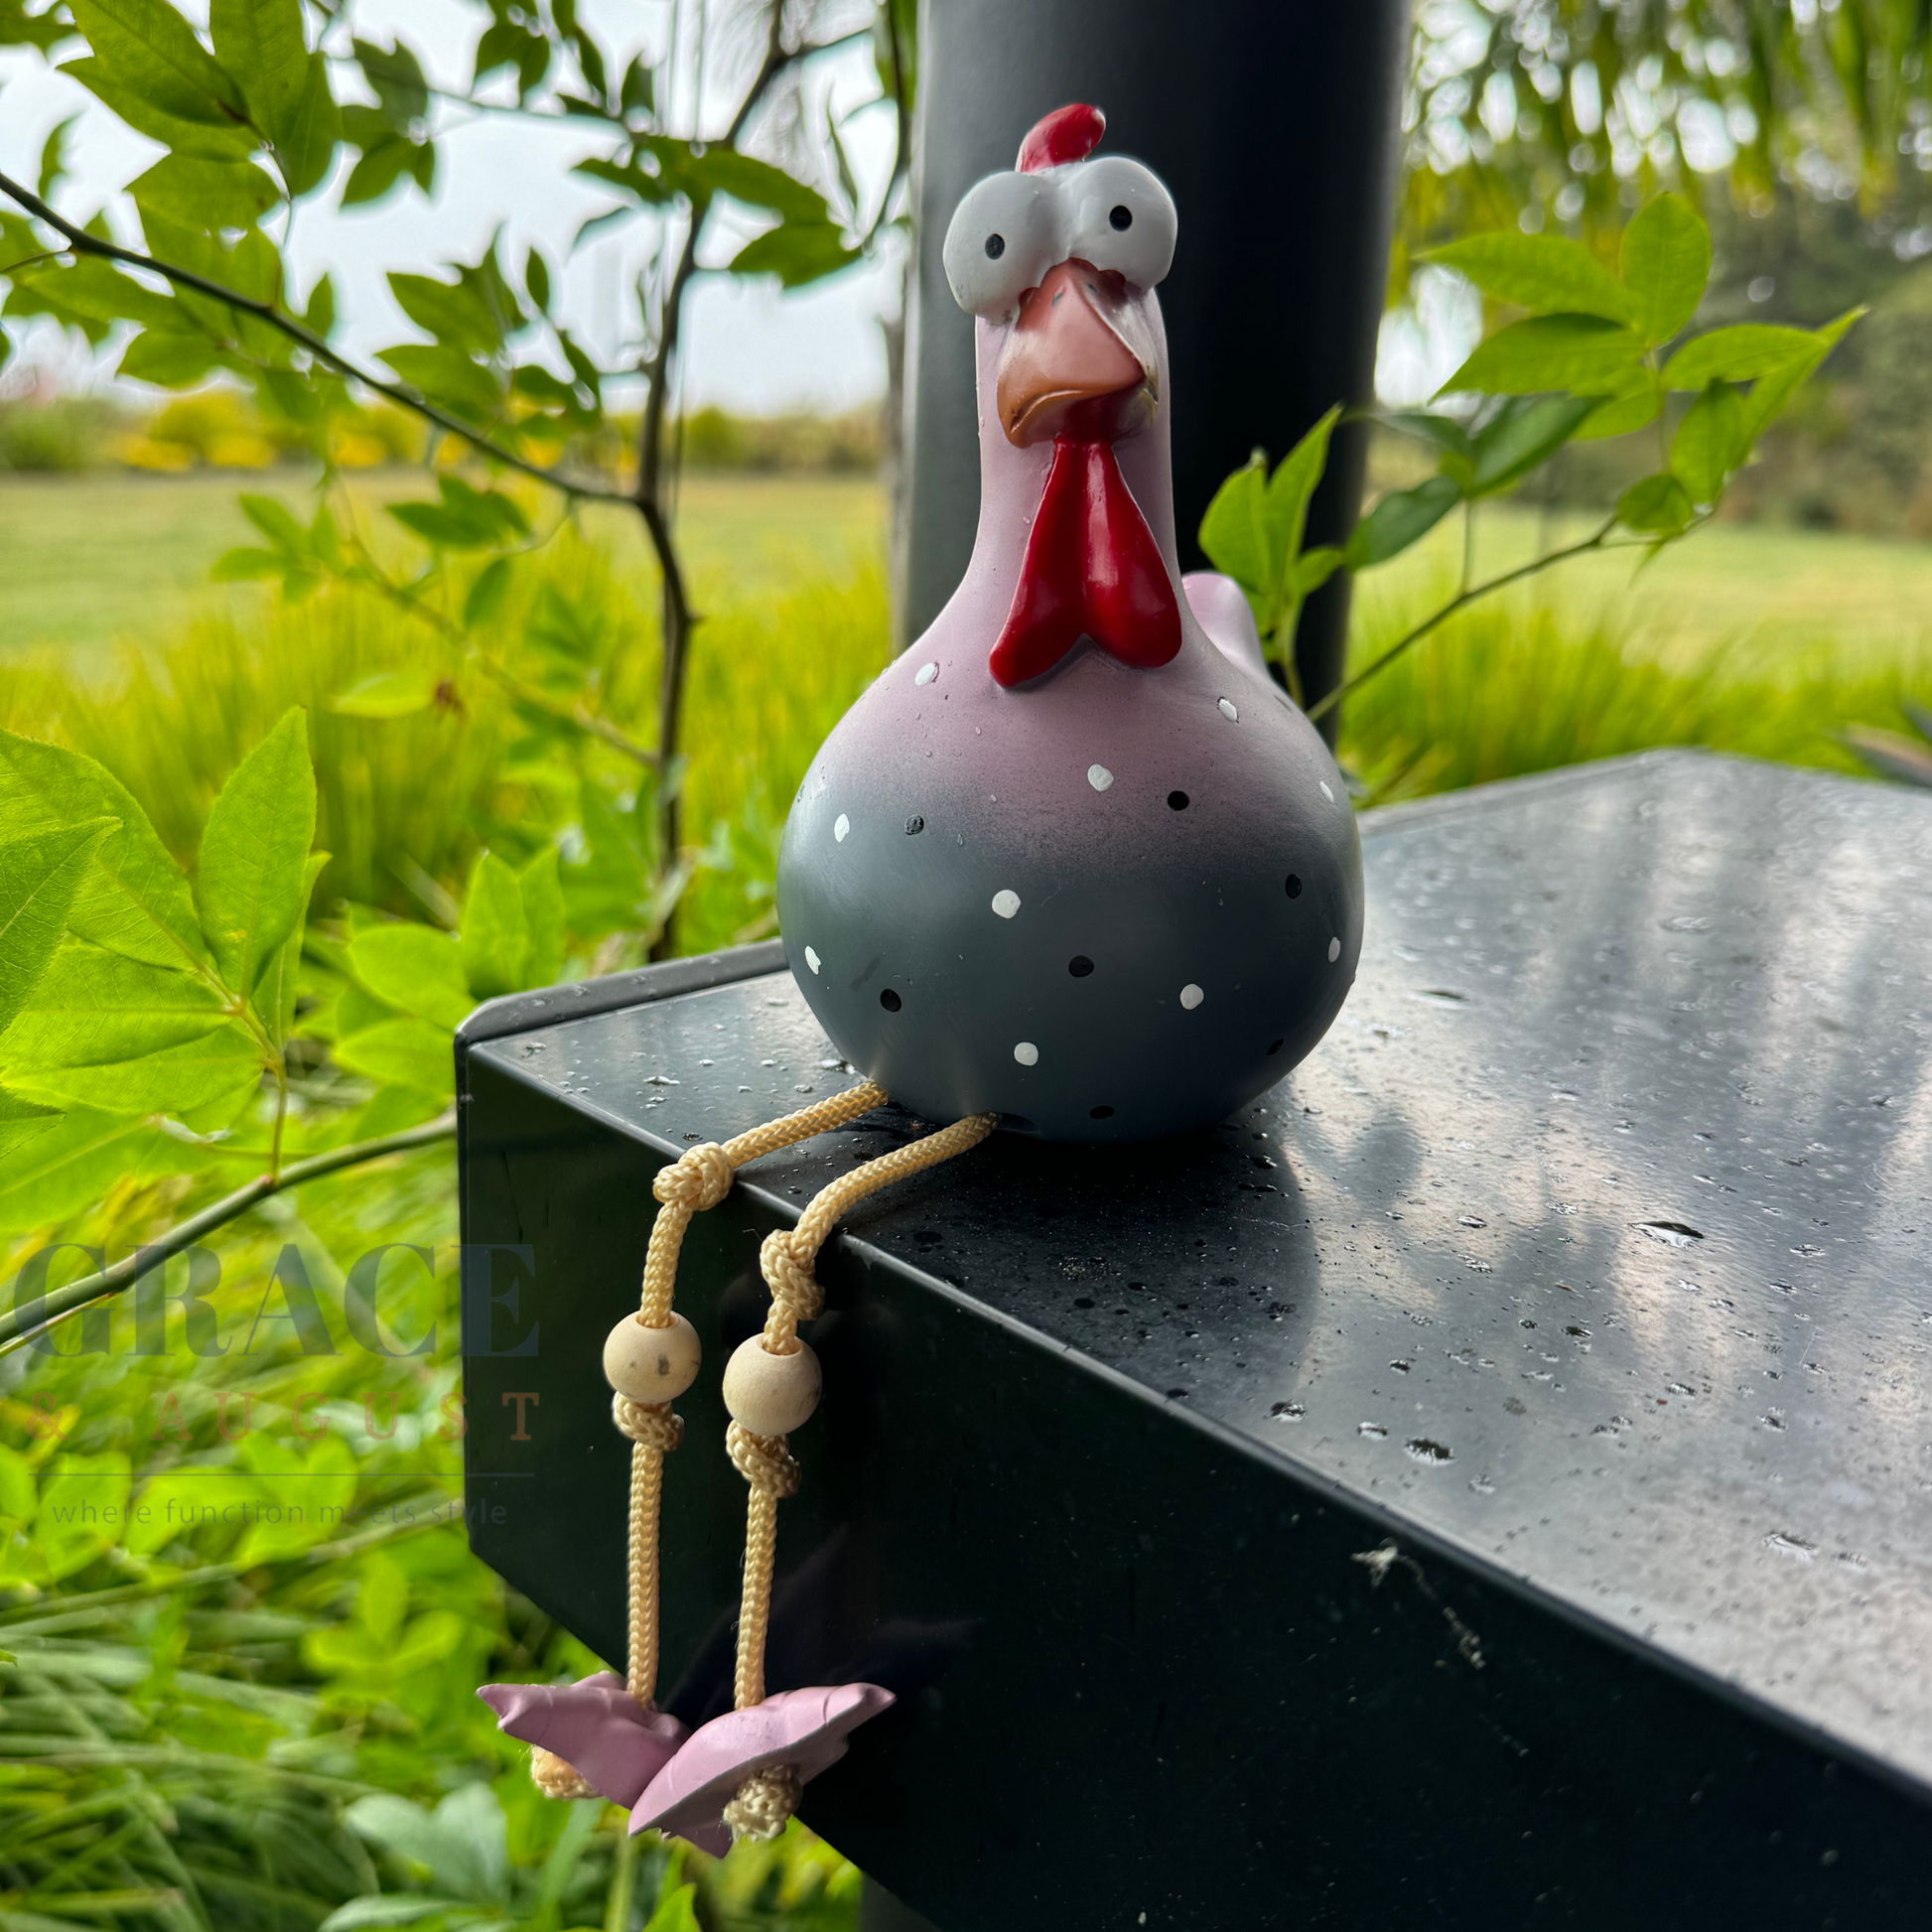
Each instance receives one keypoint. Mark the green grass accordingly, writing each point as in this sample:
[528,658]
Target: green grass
[90,559]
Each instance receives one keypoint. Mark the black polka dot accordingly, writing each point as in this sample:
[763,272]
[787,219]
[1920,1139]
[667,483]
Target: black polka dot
[914,826]
[996,246]
[1120,216]
[1277,1048]
[1079,965]
[891,1001]
[1176,801]
[1294,885]
[1100,1113]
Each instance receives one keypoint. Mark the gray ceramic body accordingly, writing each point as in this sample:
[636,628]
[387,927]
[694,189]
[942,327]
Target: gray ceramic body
[1059,936]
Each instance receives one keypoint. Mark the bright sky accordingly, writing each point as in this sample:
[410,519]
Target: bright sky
[749,346]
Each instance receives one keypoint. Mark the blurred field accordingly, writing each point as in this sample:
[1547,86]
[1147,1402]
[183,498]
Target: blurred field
[86,559]
[1764,641]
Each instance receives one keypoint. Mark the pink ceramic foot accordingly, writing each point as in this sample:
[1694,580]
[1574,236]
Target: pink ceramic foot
[806,1729]
[596,1726]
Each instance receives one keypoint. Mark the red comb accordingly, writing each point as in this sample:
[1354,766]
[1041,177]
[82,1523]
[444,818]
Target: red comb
[1067,134]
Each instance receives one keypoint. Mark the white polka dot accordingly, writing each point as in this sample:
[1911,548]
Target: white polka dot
[811,959]
[1191,996]
[926,673]
[1099,777]
[1006,903]
[840,827]
[1334,949]
[1026,1053]
[1228,711]
[1327,793]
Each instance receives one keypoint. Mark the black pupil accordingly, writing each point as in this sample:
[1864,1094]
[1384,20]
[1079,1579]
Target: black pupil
[1120,215]
[996,246]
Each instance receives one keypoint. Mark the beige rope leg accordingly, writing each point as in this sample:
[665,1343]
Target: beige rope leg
[770,1387]
[652,1357]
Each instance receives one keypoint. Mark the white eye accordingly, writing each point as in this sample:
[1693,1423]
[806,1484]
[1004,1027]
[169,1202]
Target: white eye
[1001,242]
[1121,217]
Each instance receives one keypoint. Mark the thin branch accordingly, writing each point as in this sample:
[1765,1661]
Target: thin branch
[1597,541]
[62,1302]
[84,244]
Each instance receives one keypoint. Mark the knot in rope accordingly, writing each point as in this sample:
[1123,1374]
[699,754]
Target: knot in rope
[651,1424]
[555,1777]
[762,1461]
[764,1803]
[788,1273]
[700,1178]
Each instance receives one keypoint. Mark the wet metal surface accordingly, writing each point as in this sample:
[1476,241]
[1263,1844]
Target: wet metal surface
[1591,1243]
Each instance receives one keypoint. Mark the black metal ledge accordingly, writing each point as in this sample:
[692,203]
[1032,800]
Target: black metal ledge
[1485,1484]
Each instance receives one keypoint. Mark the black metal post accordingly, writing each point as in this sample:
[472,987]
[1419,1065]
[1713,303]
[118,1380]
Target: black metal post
[1275,124]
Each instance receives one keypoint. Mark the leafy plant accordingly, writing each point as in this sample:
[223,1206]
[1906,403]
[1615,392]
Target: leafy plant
[247,113]
[1595,353]
[143,1010]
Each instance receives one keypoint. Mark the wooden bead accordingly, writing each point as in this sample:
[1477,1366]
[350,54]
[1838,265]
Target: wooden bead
[771,1394]
[651,1364]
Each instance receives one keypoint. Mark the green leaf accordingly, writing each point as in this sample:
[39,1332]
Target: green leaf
[245,562]
[536,280]
[250,873]
[97,1008]
[1665,256]
[1770,393]
[1398,520]
[452,312]
[53,163]
[382,165]
[676,1910]
[1622,414]
[495,930]
[541,889]
[171,361]
[453,1845]
[653,191]
[226,139]
[40,873]
[1314,567]
[1737,355]
[1253,527]
[22,1120]
[397,77]
[134,900]
[1549,274]
[74,1163]
[415,968]
[386,694]
[307,136]
[796,252]
[149,48]
[700,173]
[207,1079]
[1708,444]
[275,997]
[467,518]
[404,1052]
[200,192]
[484,602]
[1581,353]
[1524,433]
[446,376]
[1657,504]
[260,42]
[277,522]
[387,1908]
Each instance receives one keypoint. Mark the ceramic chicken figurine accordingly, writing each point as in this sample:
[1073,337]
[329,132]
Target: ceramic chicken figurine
[1074,856]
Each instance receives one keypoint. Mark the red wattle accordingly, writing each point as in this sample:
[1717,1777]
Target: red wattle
[1092,568]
